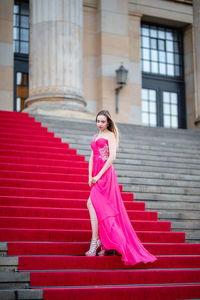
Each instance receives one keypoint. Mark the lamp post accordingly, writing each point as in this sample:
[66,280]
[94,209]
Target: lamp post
[121,76]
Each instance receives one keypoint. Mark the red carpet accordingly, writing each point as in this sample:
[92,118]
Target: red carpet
[44,219]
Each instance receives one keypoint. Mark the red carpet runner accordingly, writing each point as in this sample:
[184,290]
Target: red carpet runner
[44,219]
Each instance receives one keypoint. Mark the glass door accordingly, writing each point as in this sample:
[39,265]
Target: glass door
[163,104]
[149,107]
[170,109]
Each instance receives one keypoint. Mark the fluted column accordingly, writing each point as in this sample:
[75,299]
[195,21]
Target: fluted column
[55,55]
[196,28]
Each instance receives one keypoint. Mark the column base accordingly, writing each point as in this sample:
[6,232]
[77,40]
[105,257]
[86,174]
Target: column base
[62,108]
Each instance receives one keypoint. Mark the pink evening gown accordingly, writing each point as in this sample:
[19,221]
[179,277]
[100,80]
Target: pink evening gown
[115,229]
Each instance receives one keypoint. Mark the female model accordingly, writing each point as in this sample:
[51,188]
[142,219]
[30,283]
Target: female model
[111,226]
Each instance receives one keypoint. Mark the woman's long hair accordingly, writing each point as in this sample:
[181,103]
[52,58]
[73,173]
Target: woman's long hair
[111,124]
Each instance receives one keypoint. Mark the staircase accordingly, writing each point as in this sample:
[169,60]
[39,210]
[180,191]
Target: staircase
[45,226]
[160,166]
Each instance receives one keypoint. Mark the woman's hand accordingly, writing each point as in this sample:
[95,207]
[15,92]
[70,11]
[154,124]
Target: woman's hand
[95,179]
[90,181]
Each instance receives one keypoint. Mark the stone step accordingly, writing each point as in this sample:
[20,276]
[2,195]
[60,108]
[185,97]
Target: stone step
[126,136]
[3,248]
[14,280]
[21,294]
[122,174]
[133,139]
[147,156]
[159,149]
[89,126]
[181,221]
[124,127]
[192,236]
[174,151]
[128,163]
[158,169]
[186,225]
[8,263]
[159,188]
[159,182]
[128,147]
[123,152]
[130,143]
[181,215]
[171,198]
[171,206]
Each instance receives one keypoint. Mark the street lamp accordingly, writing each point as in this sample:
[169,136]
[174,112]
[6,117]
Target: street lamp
[121,76]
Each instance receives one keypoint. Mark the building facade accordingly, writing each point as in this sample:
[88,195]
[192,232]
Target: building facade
[59,57]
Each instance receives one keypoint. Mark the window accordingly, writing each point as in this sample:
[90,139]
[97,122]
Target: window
[163,89]
[161,51]
[170,109]
[21,27]
[21,52]
[149,107]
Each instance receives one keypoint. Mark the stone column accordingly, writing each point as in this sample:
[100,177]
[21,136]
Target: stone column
[196,28]
[55,57]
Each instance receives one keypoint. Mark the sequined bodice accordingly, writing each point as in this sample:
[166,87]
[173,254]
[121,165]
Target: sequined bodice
[100,149]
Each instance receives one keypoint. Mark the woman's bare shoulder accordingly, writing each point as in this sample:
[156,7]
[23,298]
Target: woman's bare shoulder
[111,136]
[94,136]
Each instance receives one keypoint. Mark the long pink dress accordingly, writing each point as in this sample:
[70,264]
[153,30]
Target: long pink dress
[115,229]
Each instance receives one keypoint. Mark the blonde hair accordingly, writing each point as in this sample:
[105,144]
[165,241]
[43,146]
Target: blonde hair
[111,124]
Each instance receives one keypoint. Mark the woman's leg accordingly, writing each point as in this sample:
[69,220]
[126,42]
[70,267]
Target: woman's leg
[93,219]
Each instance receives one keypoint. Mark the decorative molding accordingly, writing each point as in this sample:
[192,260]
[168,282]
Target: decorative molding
[135,14]
[188,2]
[170,11]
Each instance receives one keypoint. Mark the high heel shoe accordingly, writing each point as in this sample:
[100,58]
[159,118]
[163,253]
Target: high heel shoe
[102,252]
[94,246]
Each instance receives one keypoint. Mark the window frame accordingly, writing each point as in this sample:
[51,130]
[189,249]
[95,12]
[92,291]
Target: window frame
[179,33]
[21,60]
[162,83]
[20,28]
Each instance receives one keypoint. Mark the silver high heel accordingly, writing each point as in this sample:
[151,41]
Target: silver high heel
[102,252]
[94,246]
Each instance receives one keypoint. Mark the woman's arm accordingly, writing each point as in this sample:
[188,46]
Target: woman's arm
[111,158]
[90,168]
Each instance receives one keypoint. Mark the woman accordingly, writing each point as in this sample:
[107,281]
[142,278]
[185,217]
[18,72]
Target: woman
[111,227]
